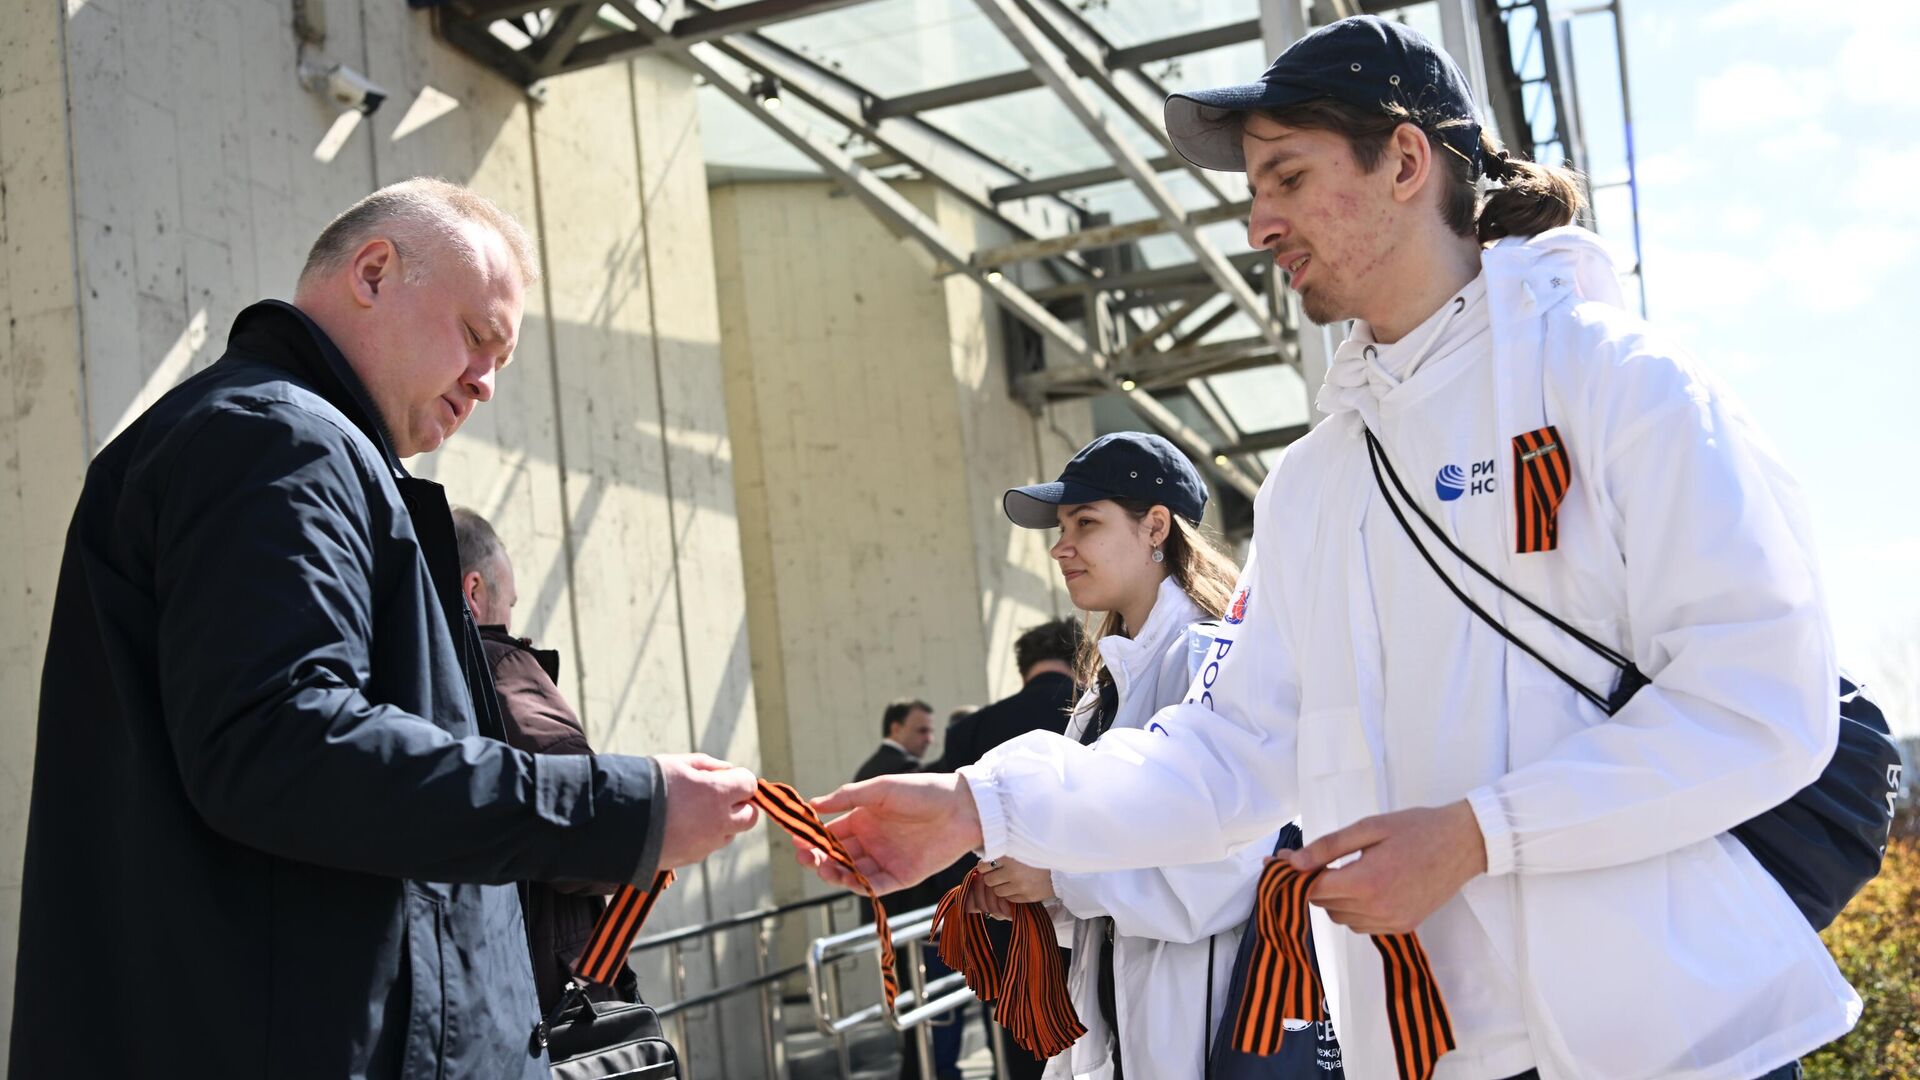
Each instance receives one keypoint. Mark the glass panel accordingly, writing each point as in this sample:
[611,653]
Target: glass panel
[1262,399]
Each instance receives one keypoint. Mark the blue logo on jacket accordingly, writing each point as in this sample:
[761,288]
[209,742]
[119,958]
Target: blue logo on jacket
[1451,483]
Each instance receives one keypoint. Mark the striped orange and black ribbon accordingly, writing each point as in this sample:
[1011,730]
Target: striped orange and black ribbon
[613,934]
[794,814]
[1542,473]
[599,963]
[1034,1005]
[1282,984]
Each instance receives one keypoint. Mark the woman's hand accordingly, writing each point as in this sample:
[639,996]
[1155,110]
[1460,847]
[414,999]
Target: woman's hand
[981,900]
[1016,882]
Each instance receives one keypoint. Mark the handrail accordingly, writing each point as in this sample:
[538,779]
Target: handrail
[728,923]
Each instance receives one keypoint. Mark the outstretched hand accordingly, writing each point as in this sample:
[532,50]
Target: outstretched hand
[898,830]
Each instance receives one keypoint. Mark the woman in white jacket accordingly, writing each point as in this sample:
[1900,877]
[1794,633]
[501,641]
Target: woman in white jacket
[1152,949]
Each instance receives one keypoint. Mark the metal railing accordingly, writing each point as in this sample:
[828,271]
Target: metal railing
[766,979]
[919,1002]
[916,1004]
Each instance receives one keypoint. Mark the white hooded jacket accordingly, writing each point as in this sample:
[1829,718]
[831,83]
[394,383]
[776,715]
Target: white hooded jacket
[1165,919]
[1642,940]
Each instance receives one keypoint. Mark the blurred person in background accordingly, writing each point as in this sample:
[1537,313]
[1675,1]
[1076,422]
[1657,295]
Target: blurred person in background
[560,915]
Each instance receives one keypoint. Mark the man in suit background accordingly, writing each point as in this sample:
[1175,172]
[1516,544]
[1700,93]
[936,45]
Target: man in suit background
[906,730]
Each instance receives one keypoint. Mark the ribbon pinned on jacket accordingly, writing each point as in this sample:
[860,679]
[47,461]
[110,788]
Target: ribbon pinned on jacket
[1542,473]
[1282,983]
[613,934]
[1034,1005]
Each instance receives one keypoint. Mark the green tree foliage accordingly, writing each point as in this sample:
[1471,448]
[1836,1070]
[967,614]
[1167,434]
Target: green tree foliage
[1876,942]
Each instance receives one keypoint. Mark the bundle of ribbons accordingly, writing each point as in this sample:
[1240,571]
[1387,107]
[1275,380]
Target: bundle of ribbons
[1281,983]
[1033,1003]
[613,935]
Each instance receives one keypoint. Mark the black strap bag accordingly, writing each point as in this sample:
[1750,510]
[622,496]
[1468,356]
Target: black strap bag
[608,1040]
[1300,1057]
[1822,845]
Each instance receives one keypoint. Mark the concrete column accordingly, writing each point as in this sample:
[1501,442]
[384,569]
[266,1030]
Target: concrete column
[43,436]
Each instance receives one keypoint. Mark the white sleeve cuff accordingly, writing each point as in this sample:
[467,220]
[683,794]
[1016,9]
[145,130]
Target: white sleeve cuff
[985,788]
[1495,830]
[1074,896]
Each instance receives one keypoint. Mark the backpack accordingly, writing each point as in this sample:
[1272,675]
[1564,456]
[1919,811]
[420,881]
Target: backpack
[1822,845]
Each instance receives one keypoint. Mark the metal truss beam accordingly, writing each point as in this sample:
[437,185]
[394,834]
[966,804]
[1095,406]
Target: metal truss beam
[1165,370]
[1141,99]
[940,157]
[1102,236]
[1053,185]
[1201,391]
[1014,82]
[699,24]
[1159,277]
[904,218]
[1257,441]
[1054,70]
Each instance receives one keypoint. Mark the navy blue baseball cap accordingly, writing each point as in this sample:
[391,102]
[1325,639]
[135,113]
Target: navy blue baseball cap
[1123,465]
[1365,61]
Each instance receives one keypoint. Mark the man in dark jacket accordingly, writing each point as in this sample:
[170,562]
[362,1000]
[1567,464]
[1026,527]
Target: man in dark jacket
[273,827]
[906,730]
[1045,656]
[560,916]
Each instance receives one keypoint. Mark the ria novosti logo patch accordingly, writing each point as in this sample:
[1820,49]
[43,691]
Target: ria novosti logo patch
[1453,481]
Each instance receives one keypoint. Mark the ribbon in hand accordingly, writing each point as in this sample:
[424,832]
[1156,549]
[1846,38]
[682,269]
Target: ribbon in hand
[1282,983]
[1034,1005]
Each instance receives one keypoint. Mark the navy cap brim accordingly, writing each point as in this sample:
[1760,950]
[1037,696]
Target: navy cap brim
[1037,506]
[1201,125]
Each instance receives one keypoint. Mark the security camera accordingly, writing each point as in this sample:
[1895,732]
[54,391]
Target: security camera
[344,85]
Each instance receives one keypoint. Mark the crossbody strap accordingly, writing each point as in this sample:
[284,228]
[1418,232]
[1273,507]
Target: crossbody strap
[1630,677]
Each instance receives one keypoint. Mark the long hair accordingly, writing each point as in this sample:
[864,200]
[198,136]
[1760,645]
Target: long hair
[1529,198]
[1202,571]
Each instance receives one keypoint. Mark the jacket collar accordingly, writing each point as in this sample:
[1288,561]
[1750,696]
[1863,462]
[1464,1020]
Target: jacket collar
[277,333]
[1172,610]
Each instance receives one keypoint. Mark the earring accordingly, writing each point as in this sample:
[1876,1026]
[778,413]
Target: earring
[1159,556]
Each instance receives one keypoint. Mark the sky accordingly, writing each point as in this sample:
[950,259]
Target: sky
[1774,140]
[1776,143]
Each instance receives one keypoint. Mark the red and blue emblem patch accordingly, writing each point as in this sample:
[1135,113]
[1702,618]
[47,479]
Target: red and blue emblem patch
[1238,612]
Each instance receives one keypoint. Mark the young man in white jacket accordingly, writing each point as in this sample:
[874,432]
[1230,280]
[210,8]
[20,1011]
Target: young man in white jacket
[1569,872]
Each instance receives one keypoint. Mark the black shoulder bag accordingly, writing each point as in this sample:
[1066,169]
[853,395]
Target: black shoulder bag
[609,1040]
[1823,844]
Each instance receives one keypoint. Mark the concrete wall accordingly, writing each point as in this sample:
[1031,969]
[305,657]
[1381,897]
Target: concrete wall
[193,175]
[873,435]
[43,447]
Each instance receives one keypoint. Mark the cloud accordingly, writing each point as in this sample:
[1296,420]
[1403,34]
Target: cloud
[1784,14]
[1751,96]
[1835,271]
[1882,182]
[1875,68]
[1669,167]
[1798,144]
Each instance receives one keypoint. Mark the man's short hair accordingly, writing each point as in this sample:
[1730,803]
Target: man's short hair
[1055,640]
[419,216]
[896,713]
[478,544]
